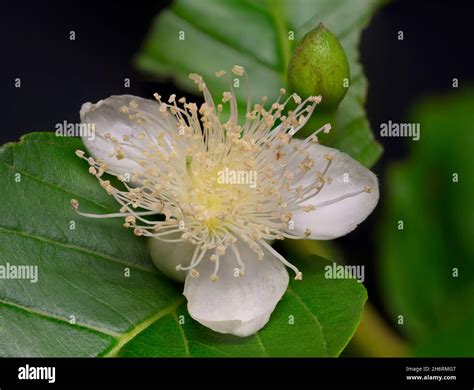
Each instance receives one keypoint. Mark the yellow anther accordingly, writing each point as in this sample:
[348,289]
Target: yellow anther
[328,157]
[238,70]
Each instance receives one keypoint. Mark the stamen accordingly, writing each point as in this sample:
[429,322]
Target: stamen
[298,274]
[239,260]
[214,276]
[238,70]
[180,169]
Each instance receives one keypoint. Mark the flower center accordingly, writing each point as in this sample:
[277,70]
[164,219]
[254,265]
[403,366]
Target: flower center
[217,182]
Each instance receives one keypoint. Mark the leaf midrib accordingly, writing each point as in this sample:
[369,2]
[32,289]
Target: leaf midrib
[126,337]
[120,338]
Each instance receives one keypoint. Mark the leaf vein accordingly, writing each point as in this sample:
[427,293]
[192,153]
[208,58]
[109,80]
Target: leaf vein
[312,315]
[57,187]
[183,334]
[223,42]
[78,249]
[41,313]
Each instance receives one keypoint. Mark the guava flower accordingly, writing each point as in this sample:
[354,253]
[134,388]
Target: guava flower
[212,192]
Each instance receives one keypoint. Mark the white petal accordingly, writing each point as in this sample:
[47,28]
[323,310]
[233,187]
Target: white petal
[167,255]
[348,176]
[106,117]
[242,305]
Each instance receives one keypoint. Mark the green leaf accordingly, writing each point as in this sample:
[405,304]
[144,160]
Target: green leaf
[254,34]
[84,304]
[316,317]
[419,262]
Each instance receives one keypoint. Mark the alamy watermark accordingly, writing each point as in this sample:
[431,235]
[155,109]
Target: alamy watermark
[394,129]
[335,271]
[28,372]
[232,176]
[68,129]
[19,272]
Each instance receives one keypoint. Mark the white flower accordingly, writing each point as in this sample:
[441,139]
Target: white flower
[225,190]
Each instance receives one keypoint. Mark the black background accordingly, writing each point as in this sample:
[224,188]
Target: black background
[58,75]
[351,372]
